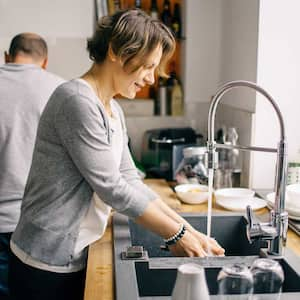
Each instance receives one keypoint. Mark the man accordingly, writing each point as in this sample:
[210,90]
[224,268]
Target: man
[25,88]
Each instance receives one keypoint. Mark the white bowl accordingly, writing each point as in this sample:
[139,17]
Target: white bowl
[234,193]
[293,192]
[192,193]
[290,207]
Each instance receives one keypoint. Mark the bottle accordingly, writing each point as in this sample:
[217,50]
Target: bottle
[154,10]
[176,99]
[117,5]
[166,15]
[176,21]
[161,103]
[138,4]
[170,84]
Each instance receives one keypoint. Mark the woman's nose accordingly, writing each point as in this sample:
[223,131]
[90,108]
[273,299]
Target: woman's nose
[149,78]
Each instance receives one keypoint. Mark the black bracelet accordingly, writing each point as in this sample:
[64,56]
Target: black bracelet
[176,237]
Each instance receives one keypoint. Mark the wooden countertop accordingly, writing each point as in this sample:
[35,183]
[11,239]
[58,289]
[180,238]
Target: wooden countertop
[100,280]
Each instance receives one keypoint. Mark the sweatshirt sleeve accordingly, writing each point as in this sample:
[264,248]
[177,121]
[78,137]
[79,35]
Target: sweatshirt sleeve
[128,168]
[81,126]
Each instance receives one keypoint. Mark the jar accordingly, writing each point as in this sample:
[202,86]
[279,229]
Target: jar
[192,168]
[293,174]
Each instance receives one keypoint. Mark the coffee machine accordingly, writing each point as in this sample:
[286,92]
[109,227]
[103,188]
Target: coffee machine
[162,150]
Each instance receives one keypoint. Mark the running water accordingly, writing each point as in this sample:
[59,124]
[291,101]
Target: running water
[209,204]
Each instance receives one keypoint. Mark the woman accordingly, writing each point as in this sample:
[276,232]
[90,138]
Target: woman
[81,148]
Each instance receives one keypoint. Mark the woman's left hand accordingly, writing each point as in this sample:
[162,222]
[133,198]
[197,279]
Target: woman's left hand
[210,245]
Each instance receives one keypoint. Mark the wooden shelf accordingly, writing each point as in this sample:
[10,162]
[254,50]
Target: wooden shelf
[175,60]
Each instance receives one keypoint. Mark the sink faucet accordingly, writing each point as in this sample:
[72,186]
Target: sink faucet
[275,231]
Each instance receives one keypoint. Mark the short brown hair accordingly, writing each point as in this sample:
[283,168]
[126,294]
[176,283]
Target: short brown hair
[30,44]
[131,34]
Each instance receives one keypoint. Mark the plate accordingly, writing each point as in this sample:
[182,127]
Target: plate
[294,213]
[234,194]
[296,218]
[292,217]
[241,204]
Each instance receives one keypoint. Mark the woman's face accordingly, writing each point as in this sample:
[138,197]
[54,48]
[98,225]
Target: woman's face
[128,84]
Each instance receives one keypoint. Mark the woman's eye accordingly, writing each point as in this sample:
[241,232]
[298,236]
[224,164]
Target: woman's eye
[149,66]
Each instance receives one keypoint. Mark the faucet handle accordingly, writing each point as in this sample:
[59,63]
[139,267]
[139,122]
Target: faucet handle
[250,216]
[253,227]
[258,230]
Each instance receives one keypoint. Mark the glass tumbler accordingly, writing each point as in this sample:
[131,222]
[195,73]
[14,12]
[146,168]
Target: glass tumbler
[235,279]
[268,277]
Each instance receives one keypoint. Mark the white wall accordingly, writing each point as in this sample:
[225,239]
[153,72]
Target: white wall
[278,72]
[64,24]
[202,49]
[67,18]
[239,36]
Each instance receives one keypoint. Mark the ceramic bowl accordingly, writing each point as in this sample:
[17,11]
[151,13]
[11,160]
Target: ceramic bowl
[293,192]
[290,206]
[192,193]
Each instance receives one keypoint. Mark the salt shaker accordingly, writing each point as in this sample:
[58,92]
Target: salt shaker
[190,283]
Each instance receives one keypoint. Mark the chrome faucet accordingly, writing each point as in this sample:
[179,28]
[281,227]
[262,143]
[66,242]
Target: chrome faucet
[275,231]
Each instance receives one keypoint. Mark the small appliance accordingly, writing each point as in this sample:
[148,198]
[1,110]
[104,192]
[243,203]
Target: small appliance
[162,150]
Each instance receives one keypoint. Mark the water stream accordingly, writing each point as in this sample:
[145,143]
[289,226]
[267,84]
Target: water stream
[209,204]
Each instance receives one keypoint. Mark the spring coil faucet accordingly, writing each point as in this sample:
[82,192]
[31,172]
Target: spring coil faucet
[275,231]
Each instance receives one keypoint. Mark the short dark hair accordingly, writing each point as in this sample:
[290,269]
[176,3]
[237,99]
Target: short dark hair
[30,44]
[131,34]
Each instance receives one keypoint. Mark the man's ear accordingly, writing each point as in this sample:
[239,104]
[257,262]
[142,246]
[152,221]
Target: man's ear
[44,63]
[7,57]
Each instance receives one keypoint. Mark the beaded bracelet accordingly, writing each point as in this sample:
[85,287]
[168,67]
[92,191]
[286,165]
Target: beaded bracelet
[176,237]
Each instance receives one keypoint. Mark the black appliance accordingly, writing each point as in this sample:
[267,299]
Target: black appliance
[162,150]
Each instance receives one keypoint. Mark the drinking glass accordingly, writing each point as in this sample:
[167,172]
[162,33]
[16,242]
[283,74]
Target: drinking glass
[268,277]
[235,279]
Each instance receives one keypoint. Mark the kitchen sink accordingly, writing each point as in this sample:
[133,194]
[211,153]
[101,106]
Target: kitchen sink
[156,281]
[152,276]
[228,230]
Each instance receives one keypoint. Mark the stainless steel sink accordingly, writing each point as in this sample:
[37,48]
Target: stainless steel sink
[153,276]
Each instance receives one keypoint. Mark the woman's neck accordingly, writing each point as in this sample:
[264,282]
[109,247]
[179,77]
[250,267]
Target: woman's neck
[101,84]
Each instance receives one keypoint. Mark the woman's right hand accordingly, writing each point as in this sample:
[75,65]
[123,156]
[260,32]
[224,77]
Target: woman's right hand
[188,245]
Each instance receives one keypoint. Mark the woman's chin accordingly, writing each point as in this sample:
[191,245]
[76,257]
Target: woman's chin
[129,95]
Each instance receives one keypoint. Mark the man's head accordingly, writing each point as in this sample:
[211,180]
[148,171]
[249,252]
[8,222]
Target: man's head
[28,48]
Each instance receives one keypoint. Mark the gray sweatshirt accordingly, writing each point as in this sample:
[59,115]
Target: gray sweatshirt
[24,92]
[72,159]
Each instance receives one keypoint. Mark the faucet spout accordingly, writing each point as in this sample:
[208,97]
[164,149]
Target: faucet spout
[278,219]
